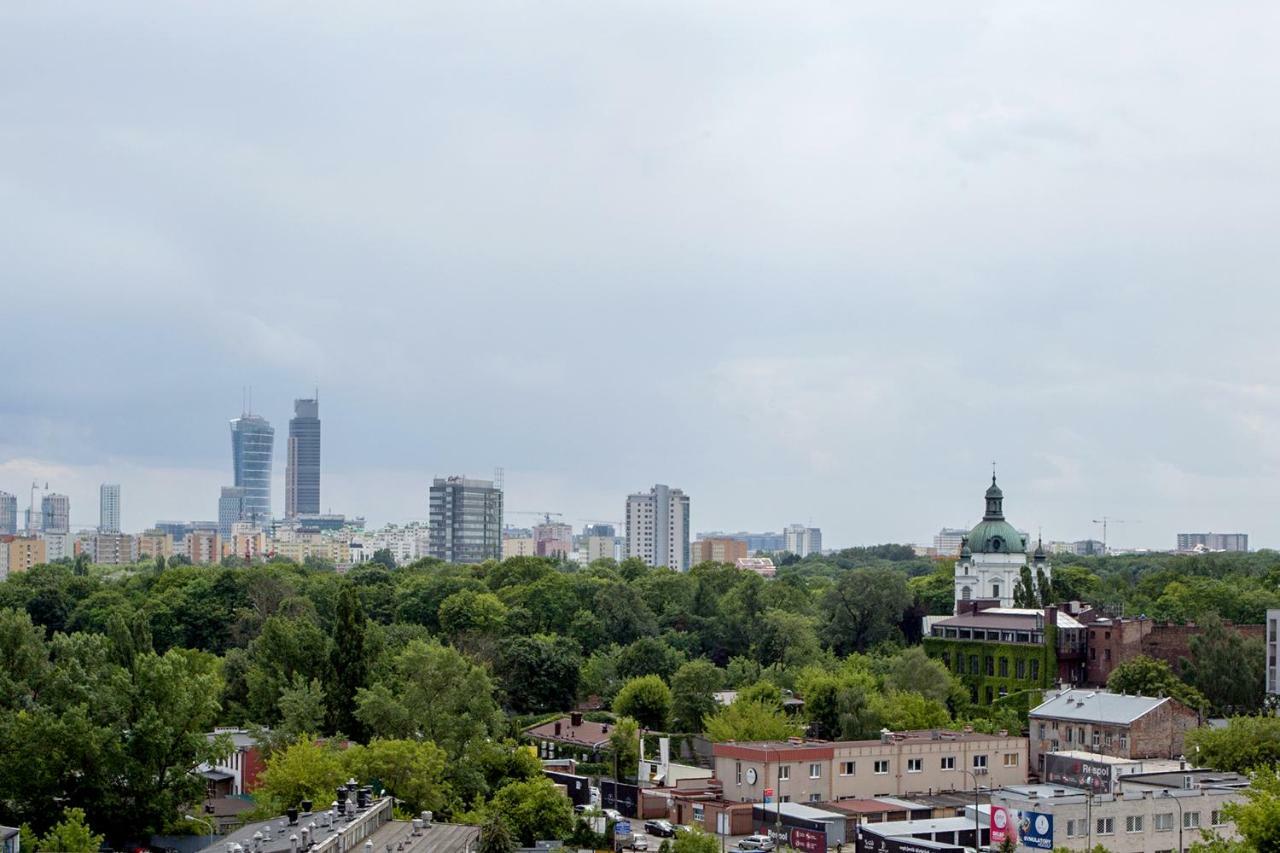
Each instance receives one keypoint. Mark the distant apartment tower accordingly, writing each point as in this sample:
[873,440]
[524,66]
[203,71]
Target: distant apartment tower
[302,467]
[718,550]
[1273,647]
[55,513]
[252,444]
[658,527]
[20,553]
[946,542]
[1213,541]
[109,508]
[465,520]
[8,514]
[553,539]
[232,509]
[112,549]
[803,541]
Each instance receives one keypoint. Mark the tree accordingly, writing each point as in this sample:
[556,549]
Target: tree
[495,837]
[1144,676]
[349,663]
[304,770]
[863,609]
[838,704]
[539,673]
[430,692]
[647,699]
[410,770]
[789,639]
[649,656]
[383,557]
[70,835]
[746,721]
[1246,743]
[913,671]
[624,741]
[1258,818]
[535,809]
[696,841]
[900,711]
[468,613]
[692,689]
[1227,668]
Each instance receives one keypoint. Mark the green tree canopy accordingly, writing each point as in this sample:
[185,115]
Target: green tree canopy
[692,689]
[1144,676]
[647,699]
[748,720]
[1246,743]
[70,835]
[534,809]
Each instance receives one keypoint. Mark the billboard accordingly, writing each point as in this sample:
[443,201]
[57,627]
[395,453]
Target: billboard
[809,840]
[1093,776]
[1035,830]
[1000,829]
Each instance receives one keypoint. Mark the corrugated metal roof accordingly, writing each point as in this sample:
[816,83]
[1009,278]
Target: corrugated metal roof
[1097,706]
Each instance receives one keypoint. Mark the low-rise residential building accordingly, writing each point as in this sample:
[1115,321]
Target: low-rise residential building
[519,546]
[155,543]
[718,550]
[1160,812]
[897,764]
[244,764]
[1109,724]
[571,736]
[763,566]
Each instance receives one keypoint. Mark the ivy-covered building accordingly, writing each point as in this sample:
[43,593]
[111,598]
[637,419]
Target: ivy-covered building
[1002,652]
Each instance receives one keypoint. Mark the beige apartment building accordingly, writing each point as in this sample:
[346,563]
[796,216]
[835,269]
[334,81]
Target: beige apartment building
[718,550]
[155,543]
[204,547]
[20,553]
[898,764]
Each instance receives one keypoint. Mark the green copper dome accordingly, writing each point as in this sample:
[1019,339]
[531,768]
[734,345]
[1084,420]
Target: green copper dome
[994,535]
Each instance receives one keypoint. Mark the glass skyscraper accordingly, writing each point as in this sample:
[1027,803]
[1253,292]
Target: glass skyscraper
[8,513]
[466,520]
[252,443]
[302,467]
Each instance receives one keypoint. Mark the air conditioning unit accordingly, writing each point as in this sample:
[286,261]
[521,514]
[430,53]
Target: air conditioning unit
[980,771]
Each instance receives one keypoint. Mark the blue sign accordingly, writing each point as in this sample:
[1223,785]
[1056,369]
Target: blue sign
[622,827]
[1035,829]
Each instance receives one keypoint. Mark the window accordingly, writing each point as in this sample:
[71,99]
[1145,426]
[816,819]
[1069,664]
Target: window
[815,771]
[1035,670]
[1054,745]
[882,768]
[738,771]
[915,765]
[1069,734]
[1133,823]
[813,798]
[973,664]
[1071,828]
[699,812]
[995,590]
[965,593]
[1191,820]
[1042,731]
[1164,822]
[848,768]
[1097,738]
[1105,826]
[1124,741]
[784,772]
[979,762]
[948,762]
[1216,818]
[1080,734]
[1004,667]
[1106,654]
[989,663]
[1011,759]
[1020,668]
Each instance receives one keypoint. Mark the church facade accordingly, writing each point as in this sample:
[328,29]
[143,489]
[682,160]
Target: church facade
[993,558]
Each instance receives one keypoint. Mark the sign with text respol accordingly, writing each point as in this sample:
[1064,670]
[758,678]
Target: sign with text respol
[1035,829]
[1093,776]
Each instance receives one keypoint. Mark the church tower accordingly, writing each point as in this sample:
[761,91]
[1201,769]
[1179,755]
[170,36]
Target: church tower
[993,556]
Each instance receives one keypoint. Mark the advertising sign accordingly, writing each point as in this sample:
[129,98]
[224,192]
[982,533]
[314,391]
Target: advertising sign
[1035,830]
[1000,829]
[809,840]
[1093,776]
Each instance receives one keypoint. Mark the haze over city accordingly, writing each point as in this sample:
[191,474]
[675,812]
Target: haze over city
[818,268]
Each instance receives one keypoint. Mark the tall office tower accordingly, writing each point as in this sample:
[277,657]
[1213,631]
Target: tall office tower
[803,541]
[55,513]
[658,527]
[466,520]
[231,510]
[109,508]
[302,467]
[252,443]
[8,514]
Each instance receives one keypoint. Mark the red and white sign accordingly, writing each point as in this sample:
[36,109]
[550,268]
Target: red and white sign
[809,840]
[1000,828]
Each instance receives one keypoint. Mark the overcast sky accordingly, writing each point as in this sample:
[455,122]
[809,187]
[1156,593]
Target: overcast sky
[815,262]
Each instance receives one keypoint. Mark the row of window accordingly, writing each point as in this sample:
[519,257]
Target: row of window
[880,767]
[991,665]
[1077,736]
[1162,822]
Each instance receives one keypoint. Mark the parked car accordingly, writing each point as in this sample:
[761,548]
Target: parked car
[639,842]
[660,828]
[613,815]
[757,842]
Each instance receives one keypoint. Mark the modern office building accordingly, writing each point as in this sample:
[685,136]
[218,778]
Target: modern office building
[719,550]
[8,514]
[803,541]
[302,467]
[465,520]
[947,541]
[55,513]
[1273,646]
[109,508]
[232,509]
[658,527]
[1213,541]
[252,445]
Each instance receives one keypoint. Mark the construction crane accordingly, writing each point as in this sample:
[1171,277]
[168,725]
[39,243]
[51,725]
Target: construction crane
[542,512]
[1104,521]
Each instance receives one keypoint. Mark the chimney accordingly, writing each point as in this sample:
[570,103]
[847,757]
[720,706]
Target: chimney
[886,736]
[557,728]
[604,729]
[292,814]
[575,718]
[1051,616]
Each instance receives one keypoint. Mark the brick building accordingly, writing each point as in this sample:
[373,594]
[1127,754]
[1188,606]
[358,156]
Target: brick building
[1115,641]
[1109,724]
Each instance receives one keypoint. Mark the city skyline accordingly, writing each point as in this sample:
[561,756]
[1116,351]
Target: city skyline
[922,245]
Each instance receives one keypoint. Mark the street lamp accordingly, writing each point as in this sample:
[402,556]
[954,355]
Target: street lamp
[207,823]
[977,830]
[1168,794]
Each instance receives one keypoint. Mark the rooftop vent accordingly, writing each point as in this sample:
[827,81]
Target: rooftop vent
[575,718]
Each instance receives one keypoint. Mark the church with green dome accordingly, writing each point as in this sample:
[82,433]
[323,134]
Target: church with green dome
[993,556]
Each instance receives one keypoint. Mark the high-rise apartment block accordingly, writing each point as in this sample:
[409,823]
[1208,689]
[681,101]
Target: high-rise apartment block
[204,547]
[658,527]
[465,520]
[112,549]
[946,542]
[232,509]
[803,541]
[302,466]
[155,543]
[109,508]
[252,445]
[1213,541]
[1273,647]
[719,550]
[55,513]
[8,514]
[20,553]
[598,542]
[553,539]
